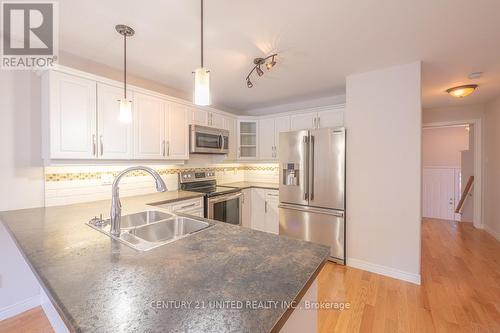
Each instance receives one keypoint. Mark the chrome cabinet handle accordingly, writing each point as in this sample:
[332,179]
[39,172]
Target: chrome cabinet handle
[168,148]
[102,145]
[319,122]
[93,145]
[314,122]
[163,148]
[265,206]
[188,206]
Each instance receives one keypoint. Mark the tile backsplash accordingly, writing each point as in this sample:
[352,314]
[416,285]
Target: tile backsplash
[74,184]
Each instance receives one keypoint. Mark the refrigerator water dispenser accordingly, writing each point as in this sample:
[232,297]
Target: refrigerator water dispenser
[291,174]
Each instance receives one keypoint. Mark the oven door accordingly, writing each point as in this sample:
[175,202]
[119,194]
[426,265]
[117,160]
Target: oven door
[225,208]
[207,140]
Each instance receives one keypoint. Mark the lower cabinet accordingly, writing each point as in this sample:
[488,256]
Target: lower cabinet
[191,207]
[246,208]
[264,210]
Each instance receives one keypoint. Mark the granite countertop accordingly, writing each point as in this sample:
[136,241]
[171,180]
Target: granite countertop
[243,185]
[101,285]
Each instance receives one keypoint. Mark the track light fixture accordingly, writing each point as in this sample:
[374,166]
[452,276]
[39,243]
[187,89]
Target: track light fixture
[258,62]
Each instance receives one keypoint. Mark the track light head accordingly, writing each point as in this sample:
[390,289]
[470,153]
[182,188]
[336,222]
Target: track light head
[271,64]
[249,83]
[259,71]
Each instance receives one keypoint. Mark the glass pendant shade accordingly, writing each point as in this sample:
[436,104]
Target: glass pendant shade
[202,86]
[125,111]
[462,91]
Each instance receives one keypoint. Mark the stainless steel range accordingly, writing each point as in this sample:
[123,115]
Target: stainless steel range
[221,203]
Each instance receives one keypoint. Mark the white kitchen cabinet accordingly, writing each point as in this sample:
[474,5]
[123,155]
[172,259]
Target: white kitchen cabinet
[193,207]
[72,115]
[207,118]
[258,209]
[266,139]
[216,120]
[271,211]
[302,121]
[248,139]
[330,118]
[264,210]
[114,137]
[177,131]
[230,125]
[199,117]
[246,208]
[281,124]
[149,127]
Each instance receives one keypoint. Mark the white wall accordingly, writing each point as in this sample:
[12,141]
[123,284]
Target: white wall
[21,179]
[21,170]
[453,113]
[384,125]
[491,219]
[442,147]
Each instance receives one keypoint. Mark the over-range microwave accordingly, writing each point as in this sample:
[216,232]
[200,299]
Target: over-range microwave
[208,140]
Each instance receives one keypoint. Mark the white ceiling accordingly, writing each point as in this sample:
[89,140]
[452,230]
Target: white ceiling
[319,43]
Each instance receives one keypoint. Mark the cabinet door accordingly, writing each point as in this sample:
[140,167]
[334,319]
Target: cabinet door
[331,118]
[281,124]
[266,139]
[199,117]
[73,132]
[246,208]
[149,127]
[302,121]
[230,125]
[114,137]
[177,145]
[247,139]
[216,120]
[271,210]
[258,209]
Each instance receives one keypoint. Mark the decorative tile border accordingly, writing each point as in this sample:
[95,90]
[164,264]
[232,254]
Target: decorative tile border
[58,177]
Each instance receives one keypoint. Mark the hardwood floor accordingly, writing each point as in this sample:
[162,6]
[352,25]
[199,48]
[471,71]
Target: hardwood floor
[31,321]
[460,290]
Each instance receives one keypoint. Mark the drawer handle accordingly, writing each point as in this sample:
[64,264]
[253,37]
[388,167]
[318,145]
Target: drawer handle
[188,206]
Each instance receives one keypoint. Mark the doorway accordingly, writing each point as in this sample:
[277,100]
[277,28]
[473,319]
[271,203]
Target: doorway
[449,168]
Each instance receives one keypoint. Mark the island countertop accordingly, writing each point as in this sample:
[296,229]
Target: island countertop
[101,285]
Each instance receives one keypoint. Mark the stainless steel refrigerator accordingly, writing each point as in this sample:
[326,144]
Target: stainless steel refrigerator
[312,187]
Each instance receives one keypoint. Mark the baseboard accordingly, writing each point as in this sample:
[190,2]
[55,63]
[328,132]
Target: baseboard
[52,315]
[19,307]
[384,270]
[492,232]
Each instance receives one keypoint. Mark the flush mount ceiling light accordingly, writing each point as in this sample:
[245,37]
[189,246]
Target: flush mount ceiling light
[258,62]
[125,104]
[462,91]
[202,76]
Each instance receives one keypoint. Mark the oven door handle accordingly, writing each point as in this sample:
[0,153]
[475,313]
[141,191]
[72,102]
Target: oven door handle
[226,197]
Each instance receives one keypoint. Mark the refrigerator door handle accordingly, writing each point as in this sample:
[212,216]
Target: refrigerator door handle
[306,167]
[311,180]
[312,210]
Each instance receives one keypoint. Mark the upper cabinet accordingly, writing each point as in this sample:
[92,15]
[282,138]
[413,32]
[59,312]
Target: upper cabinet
[115,137]
[149,127]
[207,118]
[71,115]
[269,130]
[333,117]
[81,121]
[177,136]
[247,139]
[230,124]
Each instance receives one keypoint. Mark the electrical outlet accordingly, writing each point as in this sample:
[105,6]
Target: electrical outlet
[107,179]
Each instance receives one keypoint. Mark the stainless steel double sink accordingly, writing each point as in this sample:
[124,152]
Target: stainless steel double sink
[150,229]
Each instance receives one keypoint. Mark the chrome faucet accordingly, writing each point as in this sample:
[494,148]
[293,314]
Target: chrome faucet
[116,206]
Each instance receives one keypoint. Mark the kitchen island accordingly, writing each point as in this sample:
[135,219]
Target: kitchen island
[225,278]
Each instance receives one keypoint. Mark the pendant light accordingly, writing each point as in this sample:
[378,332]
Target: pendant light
[202,76]
[125,104]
